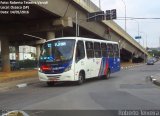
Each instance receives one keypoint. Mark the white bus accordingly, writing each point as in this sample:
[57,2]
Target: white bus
[77,59]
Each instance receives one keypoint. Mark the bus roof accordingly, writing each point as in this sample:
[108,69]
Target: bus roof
[84,39]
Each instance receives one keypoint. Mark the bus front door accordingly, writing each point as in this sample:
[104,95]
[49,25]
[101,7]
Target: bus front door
[80,63]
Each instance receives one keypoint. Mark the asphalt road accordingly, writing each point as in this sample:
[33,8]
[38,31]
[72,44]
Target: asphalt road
[128,89]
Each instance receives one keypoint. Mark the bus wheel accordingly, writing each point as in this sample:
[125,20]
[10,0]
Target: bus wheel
[50,83]
[81,78]
[108,74]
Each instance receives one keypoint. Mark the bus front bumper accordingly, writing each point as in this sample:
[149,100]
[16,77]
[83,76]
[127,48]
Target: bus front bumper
[66,76]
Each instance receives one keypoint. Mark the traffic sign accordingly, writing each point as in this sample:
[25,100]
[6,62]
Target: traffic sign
[100,15]
[113,14]
[138,37]
[108,14]
[96,16]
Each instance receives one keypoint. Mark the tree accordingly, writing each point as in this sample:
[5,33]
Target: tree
[155,53]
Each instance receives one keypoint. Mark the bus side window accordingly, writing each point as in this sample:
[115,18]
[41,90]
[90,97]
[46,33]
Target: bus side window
[89,50]
[80,53]
[110,50]
[97,50]
[116,50]
[104,49]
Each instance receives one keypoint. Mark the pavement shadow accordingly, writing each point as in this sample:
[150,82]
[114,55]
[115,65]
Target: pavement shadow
[73,84]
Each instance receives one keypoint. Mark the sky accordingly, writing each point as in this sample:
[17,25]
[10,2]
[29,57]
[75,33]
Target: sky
[149,29]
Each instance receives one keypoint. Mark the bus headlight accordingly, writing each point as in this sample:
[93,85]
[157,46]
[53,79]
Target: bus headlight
[68,68]
[39,69]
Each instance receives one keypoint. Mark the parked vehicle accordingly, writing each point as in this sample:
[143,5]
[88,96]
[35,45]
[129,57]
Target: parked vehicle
[13,64]
[154,59]
[150,62]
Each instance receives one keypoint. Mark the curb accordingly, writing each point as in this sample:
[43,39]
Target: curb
[131,66]
[17,78]
[21,84]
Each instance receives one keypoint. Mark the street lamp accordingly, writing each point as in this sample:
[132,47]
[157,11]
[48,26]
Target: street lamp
[138,26]
[143,45]
[125,15]
[159,41]
[143,39]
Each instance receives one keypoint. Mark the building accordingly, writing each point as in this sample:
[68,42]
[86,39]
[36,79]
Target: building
[25,52]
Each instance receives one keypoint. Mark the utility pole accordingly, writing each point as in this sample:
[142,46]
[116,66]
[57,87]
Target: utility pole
[100,4]
[146,41]
[125,15]
[138,28]
[159,41]
[76,24]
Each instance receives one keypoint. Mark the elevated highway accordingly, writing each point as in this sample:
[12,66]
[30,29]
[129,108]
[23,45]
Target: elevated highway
[57,19]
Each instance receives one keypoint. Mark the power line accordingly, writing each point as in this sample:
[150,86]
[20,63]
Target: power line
[140,18]
[127,18]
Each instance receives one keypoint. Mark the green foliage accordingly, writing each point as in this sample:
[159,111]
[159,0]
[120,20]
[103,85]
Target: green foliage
[154,53]
[28,63]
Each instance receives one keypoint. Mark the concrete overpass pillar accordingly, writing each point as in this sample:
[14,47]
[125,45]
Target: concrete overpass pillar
[50,35]
[17,52]
[5,54]
[130,60]
[38,51]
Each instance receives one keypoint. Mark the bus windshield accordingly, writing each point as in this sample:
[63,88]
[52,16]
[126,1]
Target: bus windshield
[57,50]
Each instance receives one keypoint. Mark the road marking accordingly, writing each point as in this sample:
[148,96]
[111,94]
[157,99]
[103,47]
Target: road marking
[154,80]
[22,85]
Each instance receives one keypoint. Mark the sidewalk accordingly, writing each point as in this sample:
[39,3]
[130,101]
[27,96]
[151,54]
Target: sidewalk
[17,75]
[23,74]
[127,65]
[10,80]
